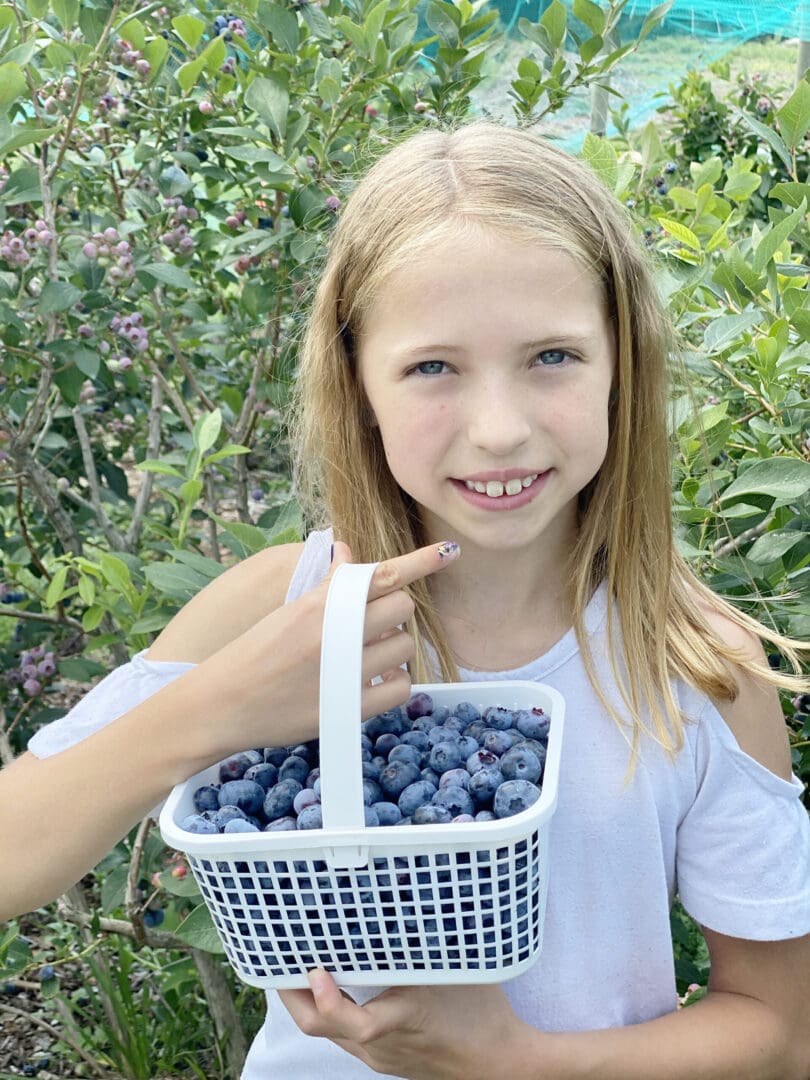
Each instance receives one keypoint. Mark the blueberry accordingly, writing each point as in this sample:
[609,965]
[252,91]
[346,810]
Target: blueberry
[446,755]
[206,798]
[226,814]
[424,724]
[521,763]
[466,711]
[311,817]
[278,801]
[417,705]
[405,752]
[235,767]
[484,783]
[240,825]
[468,745]
[496,716]
[47,972]
[513,797]
[455,799]
[485,815]
[372,770]
[281,824]
[388,813]
[294,767]
[415,738]
[246,794]
[497,741]
[431,776]
[306,797]
[276,755]
[440,714]
[414,795]
[431,815]
[371,818]
[670,167]
[372,792]
[459,777]
[481,759]
[196,824]
[153,917]
[396,776]
[391,721]
[265,774]
[386,743]
[533,723]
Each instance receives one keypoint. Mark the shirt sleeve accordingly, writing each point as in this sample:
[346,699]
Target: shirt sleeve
[117,693]
[743,850]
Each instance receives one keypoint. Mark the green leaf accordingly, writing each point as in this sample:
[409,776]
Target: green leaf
[12,84]
[785,479]
[554,20]
[113,889]
[270,100]
[253,154]
[190,491]
[794,116]
[175,580]
[198,930]
[179,886]
[741,186]
[168,274]
[770,243]
[56,587]
[791,193]
[442,24]
[58,296]
[250,537]
[80,669]
[207,429]
[591,15]
[282,24]
[601,156]
[773,545]
[133,31]
[209,568]
[12,138]
[722,331]
[189,29]
[682,233]
[152,465]
[770,136]
[188,74]
[229,450]
[373,24]
[67,12]
[116,573]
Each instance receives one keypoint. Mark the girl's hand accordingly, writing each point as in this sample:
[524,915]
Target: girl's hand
[417,1032]
[262,688]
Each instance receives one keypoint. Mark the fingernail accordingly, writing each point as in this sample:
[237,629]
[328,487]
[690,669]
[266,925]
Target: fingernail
[448,549]
[332,554]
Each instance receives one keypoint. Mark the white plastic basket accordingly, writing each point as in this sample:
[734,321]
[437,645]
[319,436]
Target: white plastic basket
[406,905]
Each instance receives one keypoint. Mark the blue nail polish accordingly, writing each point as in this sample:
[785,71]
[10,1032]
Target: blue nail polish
[448,550]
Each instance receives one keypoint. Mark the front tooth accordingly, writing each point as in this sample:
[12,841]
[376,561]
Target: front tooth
[479,486]
[513,487]
[529,480]
[494,488]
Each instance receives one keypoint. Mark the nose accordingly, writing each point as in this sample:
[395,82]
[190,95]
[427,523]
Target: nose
[497,419]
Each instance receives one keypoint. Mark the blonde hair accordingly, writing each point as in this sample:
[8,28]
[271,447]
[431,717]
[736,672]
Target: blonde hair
[485,174]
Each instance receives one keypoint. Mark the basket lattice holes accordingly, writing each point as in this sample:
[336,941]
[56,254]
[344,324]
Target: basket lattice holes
[387,905]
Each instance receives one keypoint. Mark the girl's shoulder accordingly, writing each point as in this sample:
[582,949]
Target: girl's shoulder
[755,716]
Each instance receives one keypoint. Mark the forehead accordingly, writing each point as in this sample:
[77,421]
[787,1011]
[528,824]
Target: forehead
[482,282]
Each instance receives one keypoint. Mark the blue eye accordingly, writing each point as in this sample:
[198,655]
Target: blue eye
[433,364]
[556,357]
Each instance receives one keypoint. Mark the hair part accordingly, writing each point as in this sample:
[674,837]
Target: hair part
[483,174]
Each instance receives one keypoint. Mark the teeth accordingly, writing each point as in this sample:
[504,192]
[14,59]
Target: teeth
[494,488]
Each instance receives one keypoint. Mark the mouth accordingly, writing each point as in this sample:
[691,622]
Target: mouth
[499,494]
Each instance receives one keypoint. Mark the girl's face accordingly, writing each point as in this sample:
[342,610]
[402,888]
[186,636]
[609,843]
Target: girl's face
[489,365]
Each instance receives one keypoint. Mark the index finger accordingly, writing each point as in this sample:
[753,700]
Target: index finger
[395,573]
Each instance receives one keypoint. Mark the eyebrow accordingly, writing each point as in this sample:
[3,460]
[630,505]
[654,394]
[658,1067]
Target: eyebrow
[576,341]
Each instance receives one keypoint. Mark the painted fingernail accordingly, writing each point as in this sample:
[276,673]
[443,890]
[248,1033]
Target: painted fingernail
[448,549]
[332,554]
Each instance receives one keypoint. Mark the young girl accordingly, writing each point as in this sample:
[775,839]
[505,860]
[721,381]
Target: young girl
[486,363]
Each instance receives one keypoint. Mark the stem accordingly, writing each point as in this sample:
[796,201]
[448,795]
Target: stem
[58,1036]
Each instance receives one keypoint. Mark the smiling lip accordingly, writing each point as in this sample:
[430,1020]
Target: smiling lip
[502,502]
[501,474]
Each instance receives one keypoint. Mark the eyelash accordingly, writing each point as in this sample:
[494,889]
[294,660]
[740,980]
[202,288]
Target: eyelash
[415,369]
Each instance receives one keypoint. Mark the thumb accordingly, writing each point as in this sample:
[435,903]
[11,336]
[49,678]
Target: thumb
[341,553]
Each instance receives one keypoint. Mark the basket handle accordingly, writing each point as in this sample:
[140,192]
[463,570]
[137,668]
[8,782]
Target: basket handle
[340,696]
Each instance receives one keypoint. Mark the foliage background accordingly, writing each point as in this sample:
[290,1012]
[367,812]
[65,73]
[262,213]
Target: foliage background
[168,177]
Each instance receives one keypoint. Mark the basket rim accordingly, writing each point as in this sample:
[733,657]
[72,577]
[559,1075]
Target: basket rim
[310,842]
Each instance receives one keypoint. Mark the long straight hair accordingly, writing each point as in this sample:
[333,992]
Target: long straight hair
[485,174]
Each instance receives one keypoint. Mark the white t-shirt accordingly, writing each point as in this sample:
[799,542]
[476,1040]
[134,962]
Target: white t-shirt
[715,827]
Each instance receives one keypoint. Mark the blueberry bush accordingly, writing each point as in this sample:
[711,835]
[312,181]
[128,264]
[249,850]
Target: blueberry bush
[168,176]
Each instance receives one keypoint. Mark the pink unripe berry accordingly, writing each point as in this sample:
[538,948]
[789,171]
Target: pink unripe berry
[186,245]
[131,58]
[123,248]
[30,235]
[242,264]
[420,107]
[332,203]
[143,67]
[50,105]
[232,221]
[29,669]
[206,107]
[111,235]
[44,236]
[179,872]
[46,668]
[370,111]
[62,484]
[124,363]
[85,330]
[32,687]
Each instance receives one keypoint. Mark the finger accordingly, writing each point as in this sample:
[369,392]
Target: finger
[343,1018]
[386,614]
[392,691]
[395,573]
[385,655]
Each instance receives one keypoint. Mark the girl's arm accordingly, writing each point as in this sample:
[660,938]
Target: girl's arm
[256,684]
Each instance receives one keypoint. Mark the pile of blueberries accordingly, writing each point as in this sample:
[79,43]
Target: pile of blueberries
[423,764]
